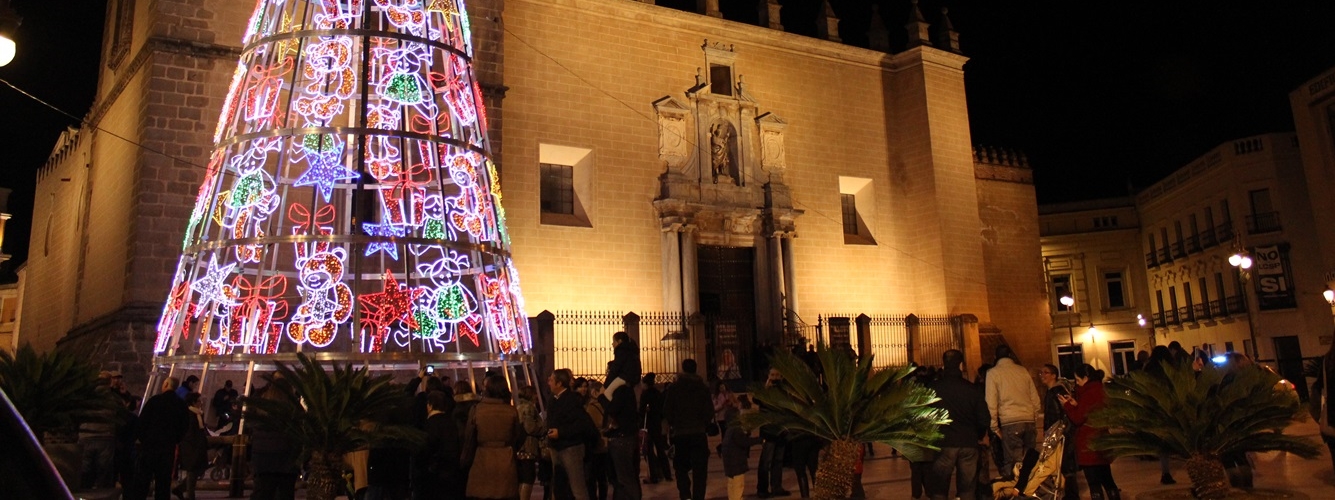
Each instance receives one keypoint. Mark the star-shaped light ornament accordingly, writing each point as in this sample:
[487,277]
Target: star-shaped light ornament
[385,308]
[325,156]
[212,287]
[390,248]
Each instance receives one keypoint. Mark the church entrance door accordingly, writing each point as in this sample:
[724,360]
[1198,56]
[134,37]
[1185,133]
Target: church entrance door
[728,303]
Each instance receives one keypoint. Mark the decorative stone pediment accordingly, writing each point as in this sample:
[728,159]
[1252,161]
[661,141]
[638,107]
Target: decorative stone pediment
[724,159]
[673,139]
[773,158]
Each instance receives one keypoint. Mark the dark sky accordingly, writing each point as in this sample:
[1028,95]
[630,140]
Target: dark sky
[1098,94]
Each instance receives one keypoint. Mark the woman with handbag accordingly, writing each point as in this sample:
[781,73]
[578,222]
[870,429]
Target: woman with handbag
[527,456]
[491,438]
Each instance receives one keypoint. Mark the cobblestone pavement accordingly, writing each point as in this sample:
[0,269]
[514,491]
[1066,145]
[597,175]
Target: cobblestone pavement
[887,477]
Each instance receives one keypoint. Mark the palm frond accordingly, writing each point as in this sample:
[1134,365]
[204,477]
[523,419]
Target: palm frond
[56,390]
[1186,413]
[324,410]
[856,403]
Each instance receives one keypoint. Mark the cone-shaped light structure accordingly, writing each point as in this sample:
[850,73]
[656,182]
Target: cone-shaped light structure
[350,207]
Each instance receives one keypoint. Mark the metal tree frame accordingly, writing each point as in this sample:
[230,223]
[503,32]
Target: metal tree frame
[350,209]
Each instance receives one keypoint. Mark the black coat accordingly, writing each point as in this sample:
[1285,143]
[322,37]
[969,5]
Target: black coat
[969,416]
[440,456]
[651,407]
[625,364]
[621,411]
[736,449]
[687,406]
[163,422]
[573,425]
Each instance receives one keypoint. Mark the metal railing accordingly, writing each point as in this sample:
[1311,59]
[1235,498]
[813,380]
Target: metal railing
[1266,222]
[582,341]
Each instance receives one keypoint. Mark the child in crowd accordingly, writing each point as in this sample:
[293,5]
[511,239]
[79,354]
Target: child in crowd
[737,443]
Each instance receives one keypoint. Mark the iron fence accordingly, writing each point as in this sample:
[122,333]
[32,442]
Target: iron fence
[582,341]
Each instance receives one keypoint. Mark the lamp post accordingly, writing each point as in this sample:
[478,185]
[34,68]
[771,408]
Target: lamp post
[1069,302]
[1093,347]
[1243,262]
[9,23]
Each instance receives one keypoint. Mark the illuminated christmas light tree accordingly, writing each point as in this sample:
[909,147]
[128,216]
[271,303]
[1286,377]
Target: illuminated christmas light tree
[350,206]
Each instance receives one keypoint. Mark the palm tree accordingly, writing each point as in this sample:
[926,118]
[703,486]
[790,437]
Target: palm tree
[54,391]
[325,412]
[1201,417]
[855,406]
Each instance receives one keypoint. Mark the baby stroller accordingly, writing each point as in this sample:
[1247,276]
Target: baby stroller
[1039,475]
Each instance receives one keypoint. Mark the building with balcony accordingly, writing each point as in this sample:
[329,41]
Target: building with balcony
[1248,197]
[1091,253]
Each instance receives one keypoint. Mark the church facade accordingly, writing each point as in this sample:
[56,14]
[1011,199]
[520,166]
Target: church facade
[652,160]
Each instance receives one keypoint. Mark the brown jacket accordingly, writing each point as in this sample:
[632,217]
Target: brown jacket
[494,432]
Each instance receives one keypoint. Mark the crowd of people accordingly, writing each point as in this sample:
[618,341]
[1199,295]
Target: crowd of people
[594,438]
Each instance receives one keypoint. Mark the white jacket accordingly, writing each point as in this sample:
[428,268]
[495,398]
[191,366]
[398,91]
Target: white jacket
[1011,396]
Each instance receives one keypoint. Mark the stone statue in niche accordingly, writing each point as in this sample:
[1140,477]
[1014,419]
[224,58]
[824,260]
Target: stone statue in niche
[720,147]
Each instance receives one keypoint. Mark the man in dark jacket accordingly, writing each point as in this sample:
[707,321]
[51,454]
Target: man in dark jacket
[439,459]
[969,423]
[625,366]
[689,411]
[162,424]
[568,428]
[651,413]
[769,476]
[623,437]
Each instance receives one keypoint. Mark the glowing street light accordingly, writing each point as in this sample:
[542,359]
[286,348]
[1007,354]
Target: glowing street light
[1069,301]
[1329,296]
[1240,260]
[1140,320]
[9,23]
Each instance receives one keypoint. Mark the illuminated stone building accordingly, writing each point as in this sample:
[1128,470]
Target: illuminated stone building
[1313,105]
[1169,254]
[1091,253]
[653,160]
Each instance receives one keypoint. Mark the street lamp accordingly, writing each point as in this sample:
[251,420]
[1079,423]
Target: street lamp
[9,23]
[1069,301]
[1243,262]
[1329,296]
[1093,347]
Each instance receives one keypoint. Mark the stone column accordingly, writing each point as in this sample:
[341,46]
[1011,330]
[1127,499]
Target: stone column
[690,271]
[672,275]
[789,279]
[776,291]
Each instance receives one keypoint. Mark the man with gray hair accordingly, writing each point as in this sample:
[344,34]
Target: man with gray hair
[1013,404]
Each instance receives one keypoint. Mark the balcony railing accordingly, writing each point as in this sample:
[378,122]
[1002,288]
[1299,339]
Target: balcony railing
[1201,311]
[1225,231]
[1165,255]
[1184,314]
[1267,222]
[1235,305]
[1208,238]
[1159,321]
[1193,244]
[1152,259]
[1178,250]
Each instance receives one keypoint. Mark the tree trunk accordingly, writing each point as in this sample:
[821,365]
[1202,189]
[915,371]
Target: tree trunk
[1208,479]
[325,481]
[834,476]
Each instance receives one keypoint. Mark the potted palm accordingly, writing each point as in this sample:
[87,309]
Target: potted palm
[857,405]
[55,391]
[1200,417]
[323,411]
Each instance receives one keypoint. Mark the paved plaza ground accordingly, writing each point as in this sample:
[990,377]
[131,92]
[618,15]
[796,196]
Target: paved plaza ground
[888,477]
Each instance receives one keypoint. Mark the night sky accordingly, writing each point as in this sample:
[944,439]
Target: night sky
[1102,96]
